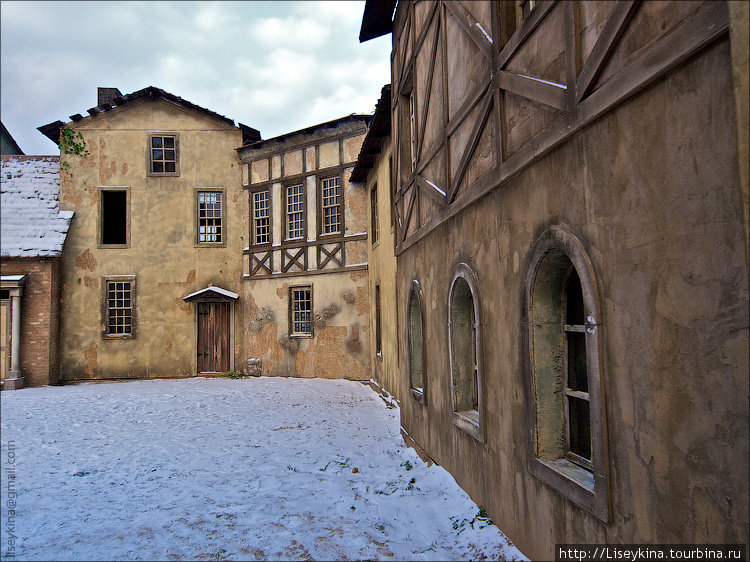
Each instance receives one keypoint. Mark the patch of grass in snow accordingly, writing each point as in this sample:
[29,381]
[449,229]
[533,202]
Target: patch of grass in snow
[407,465]
[233,375]
[481,519]
[290,467]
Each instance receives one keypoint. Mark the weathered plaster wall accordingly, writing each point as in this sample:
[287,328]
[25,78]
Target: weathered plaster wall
[39,317]
[654,197]
[162,252]
[382,269]
[339,347]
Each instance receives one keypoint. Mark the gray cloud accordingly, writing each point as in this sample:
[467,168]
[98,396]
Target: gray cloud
[276,66]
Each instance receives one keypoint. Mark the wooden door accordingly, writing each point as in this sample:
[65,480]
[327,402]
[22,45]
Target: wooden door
[213,337]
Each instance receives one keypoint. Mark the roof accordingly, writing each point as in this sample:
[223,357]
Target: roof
[380,129]
[377,19]
[211,292]
[8,144]
[309,130]
[52,130]
[31,222]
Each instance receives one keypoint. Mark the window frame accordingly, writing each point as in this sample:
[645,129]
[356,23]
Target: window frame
[149,155]
[197,218]
[588,489]
[322,208]
[285,212]
[292,332]
[374,216]
[100,215]
[378,322]
[419,394]
[253,233]
[106,280]
[465,420]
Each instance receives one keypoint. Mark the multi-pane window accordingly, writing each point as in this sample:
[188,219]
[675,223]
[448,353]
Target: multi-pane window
[210,217]
[295,212]
[374,214]
[301,310]
[261,218]
[331,205]
[163,154]
[119,320]
[562,377]
[576,389]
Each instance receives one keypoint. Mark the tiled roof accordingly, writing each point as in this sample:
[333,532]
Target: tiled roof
[52,130]
[31,222]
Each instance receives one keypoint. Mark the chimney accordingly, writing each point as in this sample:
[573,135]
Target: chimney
[106,95]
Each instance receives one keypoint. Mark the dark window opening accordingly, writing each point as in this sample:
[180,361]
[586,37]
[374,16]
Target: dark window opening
[114,217]
[378,333]
[374,214]
[4,295]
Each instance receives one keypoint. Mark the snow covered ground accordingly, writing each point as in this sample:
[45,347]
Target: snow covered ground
[261,468]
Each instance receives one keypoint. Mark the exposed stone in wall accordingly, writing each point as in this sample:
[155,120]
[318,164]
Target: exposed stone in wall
[254,367]
[86,260]
[90,356]
[263,316]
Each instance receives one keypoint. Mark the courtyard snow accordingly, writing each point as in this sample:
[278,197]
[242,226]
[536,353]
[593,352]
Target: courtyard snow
[261,468]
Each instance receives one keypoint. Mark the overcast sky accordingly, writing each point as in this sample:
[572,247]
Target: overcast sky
[276,66]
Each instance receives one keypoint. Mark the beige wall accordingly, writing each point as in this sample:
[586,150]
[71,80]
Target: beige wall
[162,254]
[382,269]
[339,346]
[643,169]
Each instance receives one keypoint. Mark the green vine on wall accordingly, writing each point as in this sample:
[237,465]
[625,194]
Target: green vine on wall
[72,142]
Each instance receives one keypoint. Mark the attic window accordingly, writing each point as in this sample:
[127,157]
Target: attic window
[113,217]
[164,154]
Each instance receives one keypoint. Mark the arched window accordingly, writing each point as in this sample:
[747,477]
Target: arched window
[465,352]
[565,411]
[416,344]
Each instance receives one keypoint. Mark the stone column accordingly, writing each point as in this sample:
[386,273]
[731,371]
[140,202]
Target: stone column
[15,378]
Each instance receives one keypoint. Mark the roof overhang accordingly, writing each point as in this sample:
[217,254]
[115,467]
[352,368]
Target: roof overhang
[13,283]
[211,293]
[377,19]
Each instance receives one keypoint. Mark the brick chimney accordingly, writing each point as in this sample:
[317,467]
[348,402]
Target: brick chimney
[106,95]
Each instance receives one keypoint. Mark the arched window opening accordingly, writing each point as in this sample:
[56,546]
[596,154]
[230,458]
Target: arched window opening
[416,345]
[565,412]
[465,352]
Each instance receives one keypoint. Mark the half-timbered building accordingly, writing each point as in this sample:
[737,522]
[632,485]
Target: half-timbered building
[571,244]
[305,257]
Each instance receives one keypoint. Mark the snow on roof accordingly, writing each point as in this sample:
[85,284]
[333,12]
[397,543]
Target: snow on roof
[31,222]
[212,289]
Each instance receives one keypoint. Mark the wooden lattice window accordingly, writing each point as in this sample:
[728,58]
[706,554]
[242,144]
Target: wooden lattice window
[563,383]
[210,217]
[301,310]
[576,389]
[261,218]
[295,212]
[163,153]
[119,306]
[331,205]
